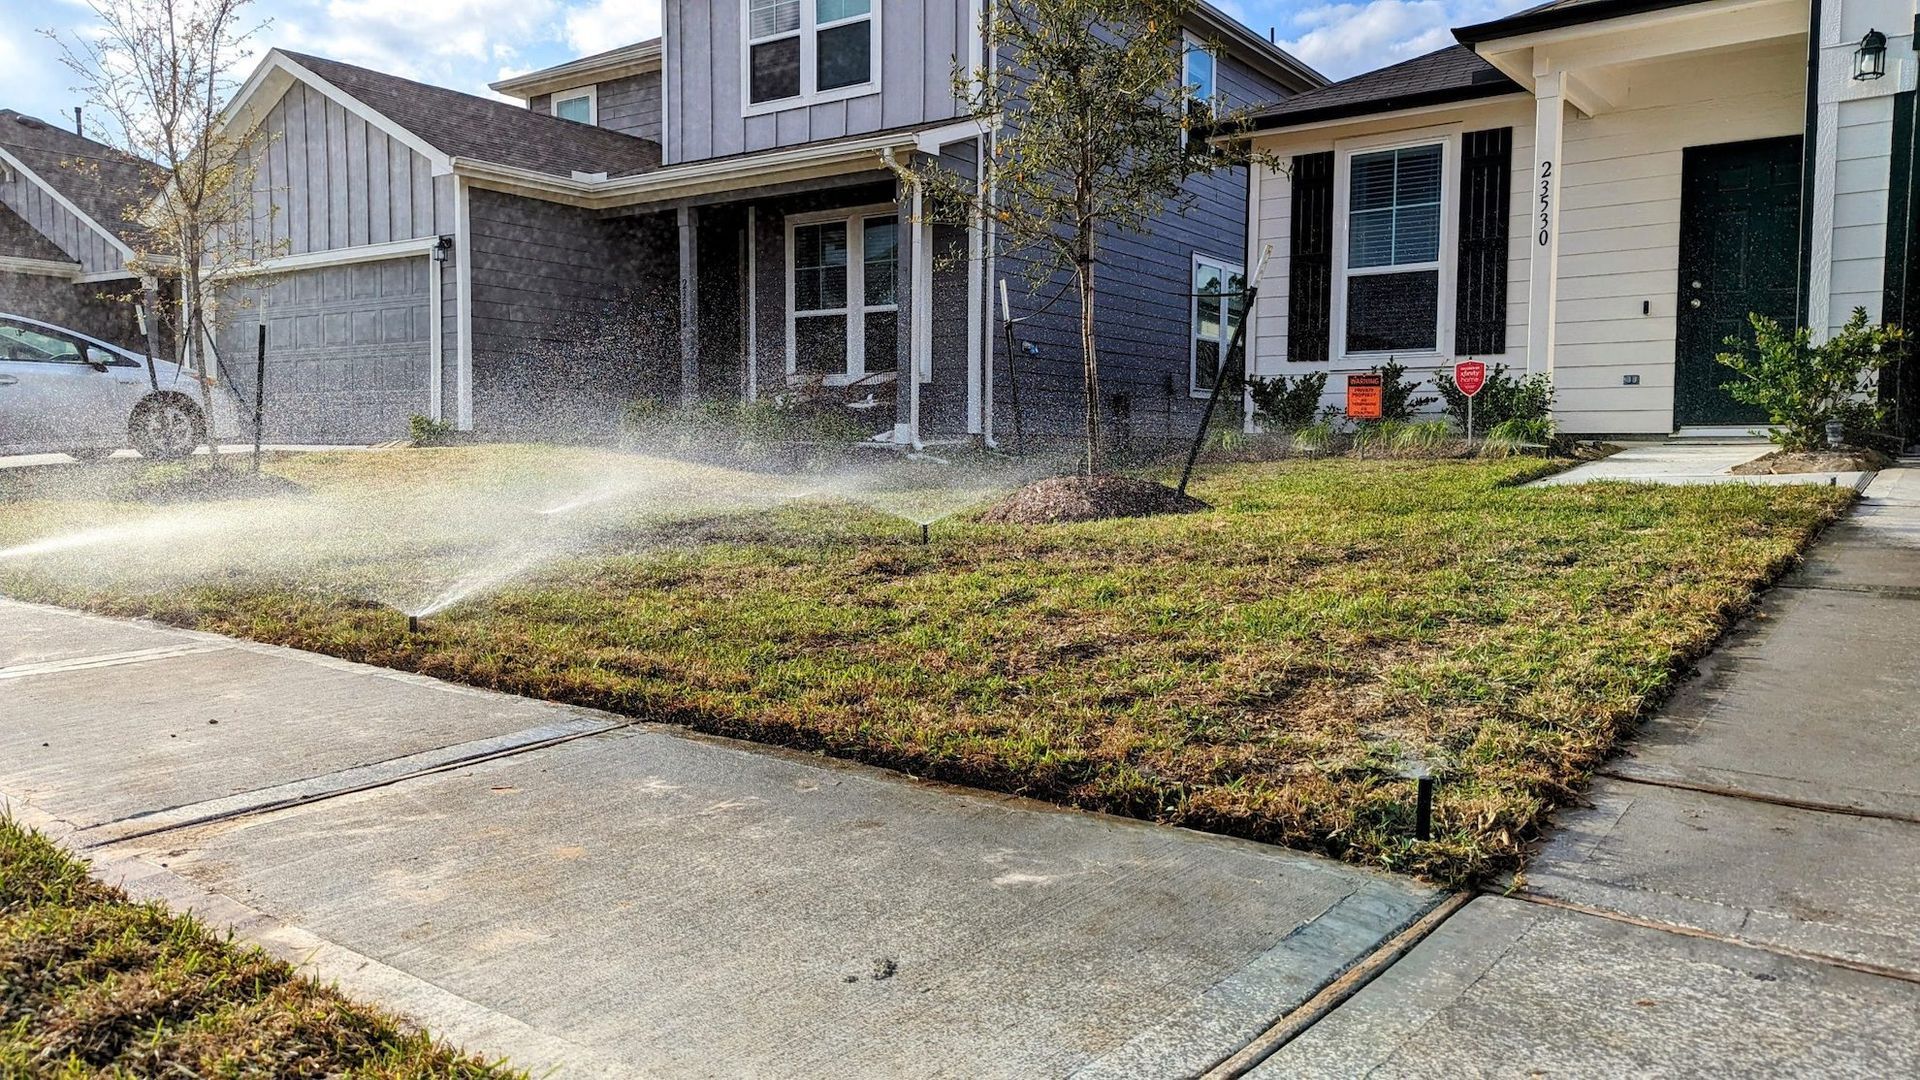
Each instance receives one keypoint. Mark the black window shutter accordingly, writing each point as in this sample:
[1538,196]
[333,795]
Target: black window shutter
[1310,259]
[1480,313]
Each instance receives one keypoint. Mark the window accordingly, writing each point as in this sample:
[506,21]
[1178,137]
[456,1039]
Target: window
[843,291]
[800,51]
[20,342]
[1200,70]
[1392,286]
[1219,297]
[578,106]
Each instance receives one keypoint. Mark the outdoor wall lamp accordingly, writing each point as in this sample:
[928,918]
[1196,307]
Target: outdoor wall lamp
[442,247]
[1870,59]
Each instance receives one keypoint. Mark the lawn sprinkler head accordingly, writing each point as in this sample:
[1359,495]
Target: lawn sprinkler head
[413,624]
[1422,776]
[923,532]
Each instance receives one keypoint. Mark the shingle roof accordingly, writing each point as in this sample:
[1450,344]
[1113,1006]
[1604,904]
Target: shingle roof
[20,240]
[105,183]
[1454,73]
[464,125]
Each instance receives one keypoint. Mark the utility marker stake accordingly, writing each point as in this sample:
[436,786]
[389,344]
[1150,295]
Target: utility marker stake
[413,624]
[923,533]
[1423,809]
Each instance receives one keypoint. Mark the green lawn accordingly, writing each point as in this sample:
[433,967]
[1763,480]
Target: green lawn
[1267,669]
[94,985]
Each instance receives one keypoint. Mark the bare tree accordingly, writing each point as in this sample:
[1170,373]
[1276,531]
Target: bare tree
[1095,131]
[160,71]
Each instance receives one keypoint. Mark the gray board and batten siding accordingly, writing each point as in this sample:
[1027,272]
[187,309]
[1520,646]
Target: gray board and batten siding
[83,243]
[919,41]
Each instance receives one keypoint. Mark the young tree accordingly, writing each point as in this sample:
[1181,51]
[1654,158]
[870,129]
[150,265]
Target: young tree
[1094,132]
[159,71]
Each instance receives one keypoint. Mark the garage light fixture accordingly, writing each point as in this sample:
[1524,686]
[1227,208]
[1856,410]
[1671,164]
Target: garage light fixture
[441,247]
[1870,59]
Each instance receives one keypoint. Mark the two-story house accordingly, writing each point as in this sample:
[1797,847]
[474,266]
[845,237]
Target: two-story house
[710,214]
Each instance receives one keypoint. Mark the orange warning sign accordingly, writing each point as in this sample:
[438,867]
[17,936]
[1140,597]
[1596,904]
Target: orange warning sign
[1363,397]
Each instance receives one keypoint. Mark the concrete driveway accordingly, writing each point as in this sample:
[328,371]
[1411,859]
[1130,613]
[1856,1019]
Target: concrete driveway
[573,891]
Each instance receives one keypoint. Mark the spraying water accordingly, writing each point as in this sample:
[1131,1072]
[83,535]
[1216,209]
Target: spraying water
[422,540]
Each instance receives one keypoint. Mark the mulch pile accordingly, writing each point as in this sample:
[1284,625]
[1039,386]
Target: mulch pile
[1814,461]
[1079,498]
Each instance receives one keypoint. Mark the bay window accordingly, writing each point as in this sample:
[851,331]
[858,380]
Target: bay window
[800,51]
[843,299]
[1392,269]
[1219,298]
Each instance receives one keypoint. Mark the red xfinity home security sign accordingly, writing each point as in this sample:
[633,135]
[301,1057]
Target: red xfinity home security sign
[1469,376]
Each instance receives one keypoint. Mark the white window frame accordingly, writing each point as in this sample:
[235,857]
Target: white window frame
[1448,139]
[809,32]
[591,93]
[1228,268]
[856,309]
[1187,49]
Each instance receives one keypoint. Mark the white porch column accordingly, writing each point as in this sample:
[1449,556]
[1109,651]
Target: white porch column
[1543,268]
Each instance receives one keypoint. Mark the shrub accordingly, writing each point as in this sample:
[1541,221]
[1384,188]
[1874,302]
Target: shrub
[1396,393]
[426,431]
[1285,406]
[1801,386]
[1503,398]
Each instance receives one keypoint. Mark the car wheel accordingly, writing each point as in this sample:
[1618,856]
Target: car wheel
[90,455]
[166,428]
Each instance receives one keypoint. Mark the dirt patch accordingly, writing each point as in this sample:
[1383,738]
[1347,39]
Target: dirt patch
[1080,498]
[1814,461]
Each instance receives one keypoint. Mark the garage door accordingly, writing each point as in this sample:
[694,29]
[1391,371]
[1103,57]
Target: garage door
[347,350]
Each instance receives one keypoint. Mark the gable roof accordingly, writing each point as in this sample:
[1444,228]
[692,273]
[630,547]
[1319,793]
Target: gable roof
[1455,73]
[1555,14]
[105,184]
[19,240]
[467,126]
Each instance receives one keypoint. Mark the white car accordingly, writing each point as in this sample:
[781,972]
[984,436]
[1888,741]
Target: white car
[65,392]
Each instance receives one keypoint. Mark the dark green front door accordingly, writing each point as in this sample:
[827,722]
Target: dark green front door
[1739,253]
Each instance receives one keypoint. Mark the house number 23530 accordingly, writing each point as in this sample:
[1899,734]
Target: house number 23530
[1546,202]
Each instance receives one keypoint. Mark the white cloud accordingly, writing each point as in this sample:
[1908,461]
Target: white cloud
[608,24]
[432,40]
[1348,38]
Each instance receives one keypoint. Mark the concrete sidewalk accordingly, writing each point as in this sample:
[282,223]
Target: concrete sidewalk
[1692,461]
[1741,893]
[573,891]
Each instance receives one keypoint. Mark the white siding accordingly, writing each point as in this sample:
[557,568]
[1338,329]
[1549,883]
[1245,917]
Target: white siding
[1273,214]
[1620,225]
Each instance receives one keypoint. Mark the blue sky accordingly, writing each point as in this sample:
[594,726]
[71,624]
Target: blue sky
[466,44]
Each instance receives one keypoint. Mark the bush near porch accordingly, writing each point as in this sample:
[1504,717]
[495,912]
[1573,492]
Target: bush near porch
[1267,668]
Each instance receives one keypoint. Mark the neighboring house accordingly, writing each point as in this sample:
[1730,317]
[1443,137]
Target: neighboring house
[705,215]
[1600,190]
[64,229]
